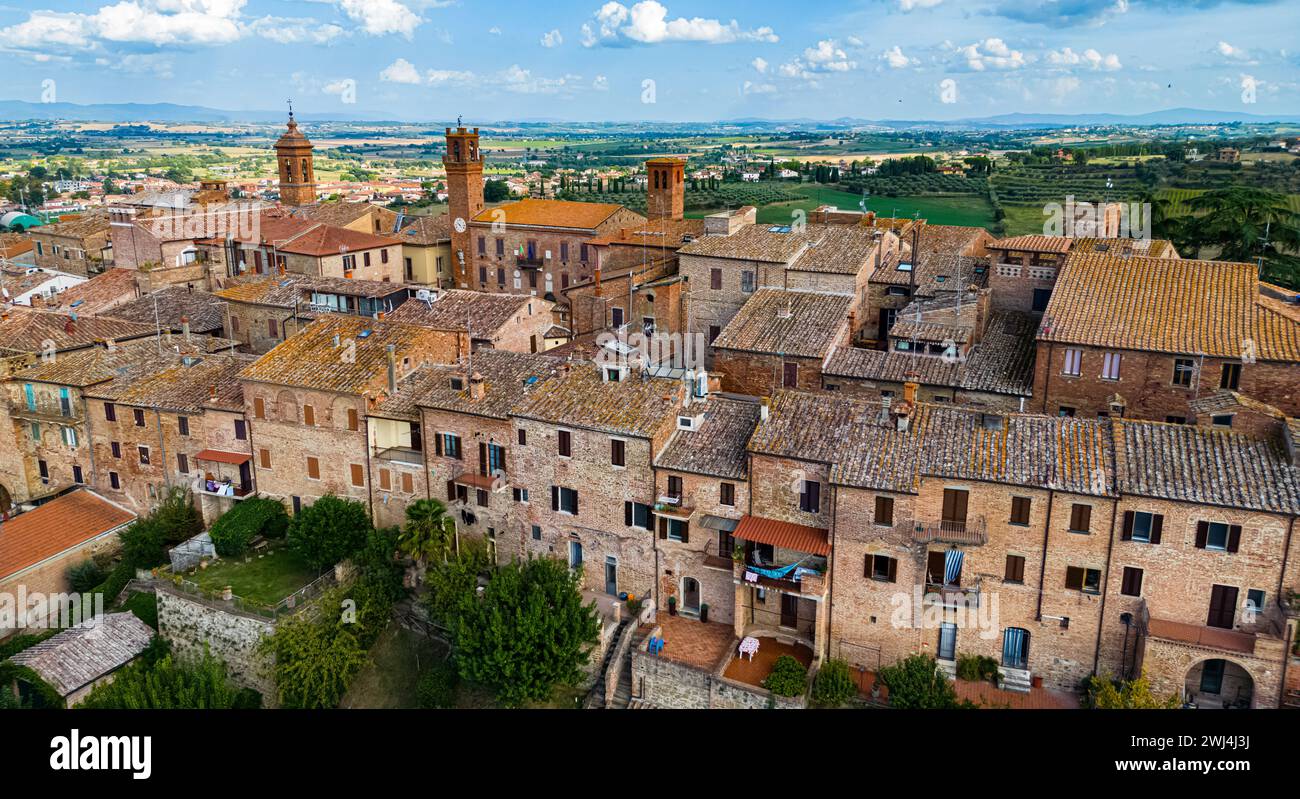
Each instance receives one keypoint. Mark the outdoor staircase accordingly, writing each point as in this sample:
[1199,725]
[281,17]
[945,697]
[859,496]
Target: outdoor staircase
[623,694]
[1018,680]
[596,697]
[947,668]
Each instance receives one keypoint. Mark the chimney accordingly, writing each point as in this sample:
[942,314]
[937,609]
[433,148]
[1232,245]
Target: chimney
[910,387]
[476,387]
[185,327]
[212,392]
[392,368]
[763,409]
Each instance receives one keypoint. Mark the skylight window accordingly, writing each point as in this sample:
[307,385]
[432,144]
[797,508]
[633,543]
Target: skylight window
[904,266]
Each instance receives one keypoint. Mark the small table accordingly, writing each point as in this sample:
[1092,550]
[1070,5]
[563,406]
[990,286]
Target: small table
[749,646]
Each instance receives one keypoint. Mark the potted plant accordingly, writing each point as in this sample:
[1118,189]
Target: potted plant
[738,553]
[875,689]
[704,611]
[672,606]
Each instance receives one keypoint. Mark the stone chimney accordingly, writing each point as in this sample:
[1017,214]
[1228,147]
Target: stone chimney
[910,387]
[185,327]
[477,388]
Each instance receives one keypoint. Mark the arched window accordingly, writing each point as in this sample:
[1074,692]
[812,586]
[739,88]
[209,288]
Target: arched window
[306,171]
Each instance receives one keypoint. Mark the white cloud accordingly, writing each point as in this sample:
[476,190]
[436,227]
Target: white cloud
[647,22]
[552,38]
[494,30]
[750,87]
[401,71]
[908,5]
[380,17]
[437,77]
[522,81]
[1089,58]
[825,56]
[1061,88]
[600,84]
[759,65]
[287,30]
[158,22]
[1235,53]
[895,58]
[991,53]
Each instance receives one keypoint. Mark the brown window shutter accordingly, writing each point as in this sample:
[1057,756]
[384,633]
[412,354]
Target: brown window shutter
[866,565]
[265,456]
[313,468]
[437,444]
[1127,533]
[482,458]
[451,490]
[1234,537]
[309,416]
[627,513]
[259,408]
[408,483]
[1157,525]
[555,498]
[663,527]
[686,533]
[385,478]
[358,475]
[893,570]
[1074,577]
[1202,534]
[353,424]
[934,567]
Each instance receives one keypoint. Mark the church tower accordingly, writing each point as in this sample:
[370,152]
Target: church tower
[464,165]
[297,177]
[665,188]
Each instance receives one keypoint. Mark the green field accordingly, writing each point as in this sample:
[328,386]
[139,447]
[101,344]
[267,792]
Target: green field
[955,210]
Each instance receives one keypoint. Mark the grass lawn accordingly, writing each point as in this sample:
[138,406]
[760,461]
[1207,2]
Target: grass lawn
[1023,220]
[264,580]
[390,678]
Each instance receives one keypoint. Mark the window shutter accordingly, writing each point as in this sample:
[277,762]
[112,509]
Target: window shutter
[893,570]
[686,533]
[1127,534]
[437,444]
[663,527]
[1157,524]
[1074,577]
[866,565]
[555,498]
[1234,537]
[482,458]
[627,513]
[575,502]
[1202,534]
[451,490]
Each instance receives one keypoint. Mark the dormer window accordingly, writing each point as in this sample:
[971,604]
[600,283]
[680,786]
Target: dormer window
[457,384]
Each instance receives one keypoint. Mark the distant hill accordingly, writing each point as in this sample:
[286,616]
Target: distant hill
[171,112]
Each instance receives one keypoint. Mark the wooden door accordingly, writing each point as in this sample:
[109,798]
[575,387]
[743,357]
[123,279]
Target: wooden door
[789,610]
[1223,606]
[954,508]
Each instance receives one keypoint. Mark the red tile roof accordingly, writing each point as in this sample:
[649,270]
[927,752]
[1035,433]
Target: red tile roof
[325,240]
[786,535]
[56,527]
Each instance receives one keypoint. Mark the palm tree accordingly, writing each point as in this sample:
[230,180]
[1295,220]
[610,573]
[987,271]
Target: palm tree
[429,531]
[1244,224]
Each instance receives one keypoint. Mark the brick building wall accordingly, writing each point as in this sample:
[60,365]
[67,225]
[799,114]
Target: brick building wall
[365,264]
[40,439]
[491,509]
[141,484]
[761,374]
[74,255]
[699,557]
[1146,382]
[252,326]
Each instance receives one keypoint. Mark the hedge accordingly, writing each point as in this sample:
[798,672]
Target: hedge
[238,526]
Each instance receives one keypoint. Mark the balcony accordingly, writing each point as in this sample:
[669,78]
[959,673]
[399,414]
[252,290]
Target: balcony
[953,596]
[971,532]
[672,508]
[808,583]
[535,262]
[407,455]
[45,410]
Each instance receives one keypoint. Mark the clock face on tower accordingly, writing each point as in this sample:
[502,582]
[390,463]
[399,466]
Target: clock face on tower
[460,225]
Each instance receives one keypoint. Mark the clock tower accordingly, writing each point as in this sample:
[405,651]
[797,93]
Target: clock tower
[464,165]
[297,175]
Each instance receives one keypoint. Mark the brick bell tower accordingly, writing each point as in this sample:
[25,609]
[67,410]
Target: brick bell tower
[297,176]
[464,165]
[665,188]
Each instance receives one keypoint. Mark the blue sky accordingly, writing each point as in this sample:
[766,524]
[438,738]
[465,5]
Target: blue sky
[677,60]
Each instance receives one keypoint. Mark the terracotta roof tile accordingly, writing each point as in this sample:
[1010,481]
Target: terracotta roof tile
[632,406]
[28,330]
[769,243]
[102,292]
[1165,305]
[178,383]
[795,323]
[485,314]
[324,240]
[77,656]
[508,380]
[718,447]
[170,305]
[72,519]
[284,291]
[550,213]
[425,230]
[310,359]
[1050,244]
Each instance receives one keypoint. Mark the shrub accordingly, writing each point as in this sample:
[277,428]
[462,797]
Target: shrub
[177,517]
[788,677]
[84,576]
[144,606]
[914,683]
[833,685]
[115,582]
[329,530]
[168,684]
[248,519]
[437,687]
[976,667]
[144,545]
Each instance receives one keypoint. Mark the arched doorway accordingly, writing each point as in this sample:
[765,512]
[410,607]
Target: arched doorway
[690,595]
[1218,683]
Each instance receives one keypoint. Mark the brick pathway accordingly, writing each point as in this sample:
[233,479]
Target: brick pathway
[695,643]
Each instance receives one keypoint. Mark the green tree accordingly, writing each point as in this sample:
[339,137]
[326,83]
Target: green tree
[452,585]
[429,531]
[171,684]
[495,191]
[915,683]
[329,530]
[833,685]
[789,677]
[1105,693]
[528,633]
[1244,223]
[315,660]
